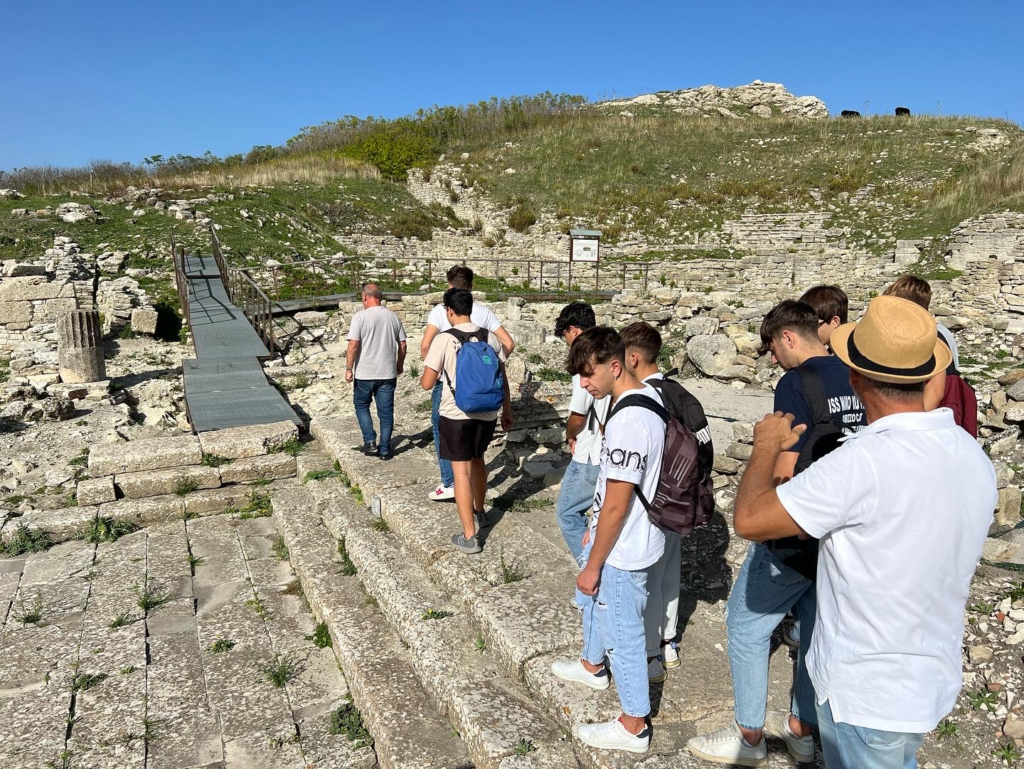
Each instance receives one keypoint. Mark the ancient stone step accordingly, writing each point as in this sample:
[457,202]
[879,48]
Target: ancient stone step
[517,593]
[493,714]
[408,731]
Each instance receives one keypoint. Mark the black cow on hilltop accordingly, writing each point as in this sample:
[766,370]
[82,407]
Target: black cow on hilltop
[849,113]
[902,112]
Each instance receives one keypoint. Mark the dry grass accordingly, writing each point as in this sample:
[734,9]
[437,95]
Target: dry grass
[310,169]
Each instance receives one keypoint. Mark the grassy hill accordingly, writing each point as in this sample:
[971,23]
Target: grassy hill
[669,177]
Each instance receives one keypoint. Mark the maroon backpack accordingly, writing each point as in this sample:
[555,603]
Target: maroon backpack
[684,499]
[961,398]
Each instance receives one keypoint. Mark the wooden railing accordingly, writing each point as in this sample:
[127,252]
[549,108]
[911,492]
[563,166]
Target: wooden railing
[180,280]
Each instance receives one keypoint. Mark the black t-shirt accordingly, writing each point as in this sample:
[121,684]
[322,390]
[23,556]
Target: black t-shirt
[844,406]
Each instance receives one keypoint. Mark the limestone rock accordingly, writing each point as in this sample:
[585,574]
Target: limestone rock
[266,467]
[152,454]
[144,321]
[57,409]
[152,483]
[250,441]
[702,325]
[711,354]
[95,491]
[979,654]
[1016,391]
[1013,727]
[1008,506]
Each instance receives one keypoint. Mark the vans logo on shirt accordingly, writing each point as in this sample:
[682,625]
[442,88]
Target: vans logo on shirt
[627,460]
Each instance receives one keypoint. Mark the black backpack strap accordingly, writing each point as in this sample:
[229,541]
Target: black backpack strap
[814,391]
[642,401]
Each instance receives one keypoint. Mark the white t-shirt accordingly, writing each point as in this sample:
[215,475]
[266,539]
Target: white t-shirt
[588,440]
[480,315]
[631,451]
[902,509]
[951,341]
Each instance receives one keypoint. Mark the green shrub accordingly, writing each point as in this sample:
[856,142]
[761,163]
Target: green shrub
[523,216]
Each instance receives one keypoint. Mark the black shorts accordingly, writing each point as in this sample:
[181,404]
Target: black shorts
[464,439]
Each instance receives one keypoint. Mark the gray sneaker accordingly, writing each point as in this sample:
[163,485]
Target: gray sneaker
[471,545]
[776,724]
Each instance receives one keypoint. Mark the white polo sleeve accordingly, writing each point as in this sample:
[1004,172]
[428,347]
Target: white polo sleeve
[356,328]
[581,399]
[437,318]
[837,491]
[491,323]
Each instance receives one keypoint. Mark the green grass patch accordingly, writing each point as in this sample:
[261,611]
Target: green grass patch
[26,540]
[347,568]
[292,447]
[346,720]
[221,645]
[321,637]
[213,460]
[105,529]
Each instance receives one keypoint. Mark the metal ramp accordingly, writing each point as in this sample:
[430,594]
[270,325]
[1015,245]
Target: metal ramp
[225,385]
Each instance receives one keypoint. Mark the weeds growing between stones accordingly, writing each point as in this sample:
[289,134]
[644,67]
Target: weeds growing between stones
[106,530]
[280,671]
[346,720]
[26,540]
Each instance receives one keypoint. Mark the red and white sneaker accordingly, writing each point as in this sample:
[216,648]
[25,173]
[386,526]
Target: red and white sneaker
[442,493]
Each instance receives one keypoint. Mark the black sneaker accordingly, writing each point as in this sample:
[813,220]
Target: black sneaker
[385,457]
[370,449]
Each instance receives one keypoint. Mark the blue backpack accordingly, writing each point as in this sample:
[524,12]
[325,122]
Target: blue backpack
[481,386]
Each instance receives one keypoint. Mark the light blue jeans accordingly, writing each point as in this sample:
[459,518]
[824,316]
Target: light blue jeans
[575,499]
[447,476]
[846,746]
[613,630]
[764,592]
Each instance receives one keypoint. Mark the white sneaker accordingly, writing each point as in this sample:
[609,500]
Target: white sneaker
[726,746]
[612,735]
[573,670]
[670,655]
[655,672]
[442,492]
[776,724]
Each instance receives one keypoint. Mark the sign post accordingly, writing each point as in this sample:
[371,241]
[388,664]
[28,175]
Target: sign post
[584,246]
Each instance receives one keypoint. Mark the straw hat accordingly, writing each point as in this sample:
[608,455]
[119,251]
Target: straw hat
[896,341]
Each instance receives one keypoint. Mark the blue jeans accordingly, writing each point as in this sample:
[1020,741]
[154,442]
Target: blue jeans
[846,746]
[382,391]
[613,629]
[764,592]
[447,476]
[575,499]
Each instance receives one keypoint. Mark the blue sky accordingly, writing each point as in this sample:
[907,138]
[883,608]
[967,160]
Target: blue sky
[123,80]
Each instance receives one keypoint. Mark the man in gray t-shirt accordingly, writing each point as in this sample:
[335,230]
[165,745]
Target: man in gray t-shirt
[376,356]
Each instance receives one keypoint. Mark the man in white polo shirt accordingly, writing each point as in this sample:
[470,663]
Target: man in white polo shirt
[901,510]
[459,276]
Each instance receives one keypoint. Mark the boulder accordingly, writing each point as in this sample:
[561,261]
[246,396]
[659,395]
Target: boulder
[57,408]
[144,321]
[1016,391]
[711,354]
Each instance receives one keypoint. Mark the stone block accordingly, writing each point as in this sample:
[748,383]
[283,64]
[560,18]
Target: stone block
[213,501]
[740,451]
[62,524]
[702,325]
[251,441]
[96,491]
[144,321]
[53,307]
[153,483]
[711,354]
[33,287]
[152,454]
[727,465]
[143,512]
[266,467]
[15,312]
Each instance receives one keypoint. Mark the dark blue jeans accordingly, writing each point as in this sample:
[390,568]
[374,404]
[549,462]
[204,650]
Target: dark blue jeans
[382,391]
